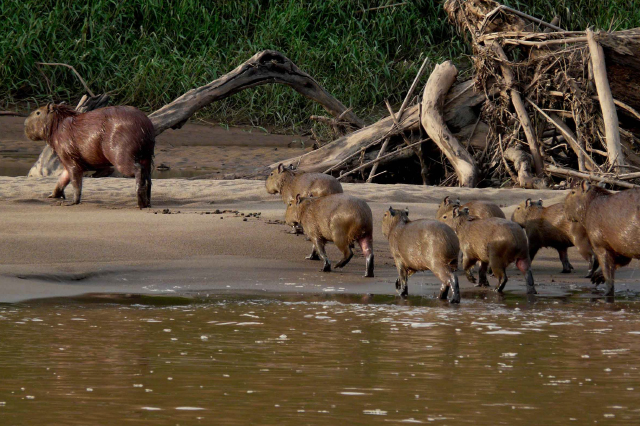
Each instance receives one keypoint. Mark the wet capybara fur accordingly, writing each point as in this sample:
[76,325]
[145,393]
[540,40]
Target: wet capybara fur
[120,136]
[289,182]
[612,221]
[477,208]
[340,218]
[496,243]
[422,245]
[549,227]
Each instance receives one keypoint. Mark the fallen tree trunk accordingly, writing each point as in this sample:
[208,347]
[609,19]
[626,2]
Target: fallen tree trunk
[265,67]
[433,99]
[561,171]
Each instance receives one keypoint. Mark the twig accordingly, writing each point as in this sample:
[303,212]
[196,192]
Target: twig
[517,12]
[622,105]
[74,71]
[365,165]
[412,88]
[382,7]
[383,148]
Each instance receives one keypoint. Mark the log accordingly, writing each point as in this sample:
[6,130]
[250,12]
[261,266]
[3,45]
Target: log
[518,104]
[609,114]
[522,162]
[440,80]
[336,154]
[264,67]
[561,171]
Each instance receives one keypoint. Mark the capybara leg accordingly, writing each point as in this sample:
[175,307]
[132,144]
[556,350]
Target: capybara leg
[141,186]
[501,274]
[366,245]
[323,255]
[76,182]
[63,181]
[593,265]
[313,255]
[401,283]
[449,281]
[482,275]
[347,253]
[607,260]
[524,265]
[564,258]
[597,277]
[467,264]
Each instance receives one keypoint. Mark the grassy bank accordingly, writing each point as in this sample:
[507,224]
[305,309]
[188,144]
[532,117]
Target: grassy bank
[146,53]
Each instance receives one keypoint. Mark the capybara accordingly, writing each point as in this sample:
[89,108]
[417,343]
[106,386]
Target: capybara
[549,227]
[289,182]
[477,208]
[422,245]
[340,218]
[496,243]
[120,136]
[612,221]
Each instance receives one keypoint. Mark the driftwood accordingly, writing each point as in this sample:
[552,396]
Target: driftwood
[264,67]
[433,98]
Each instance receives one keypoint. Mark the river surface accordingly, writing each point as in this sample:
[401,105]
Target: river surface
[318,360]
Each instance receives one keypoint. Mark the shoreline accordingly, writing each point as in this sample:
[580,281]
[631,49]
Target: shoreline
[107,245]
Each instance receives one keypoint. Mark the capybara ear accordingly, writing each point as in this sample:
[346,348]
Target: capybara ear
[406,211]
[456,211]
[297,198]
[586,186]
[457,201]
[280,168]
[392,211]
[446,201]
[50,107]
[540,202]
[527,203]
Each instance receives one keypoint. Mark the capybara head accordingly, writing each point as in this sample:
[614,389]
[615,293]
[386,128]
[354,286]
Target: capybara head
[391,218]
[575,205]
[458,216]
[39,122]
[292,216]
[277,178]
[445,206]
[525,210]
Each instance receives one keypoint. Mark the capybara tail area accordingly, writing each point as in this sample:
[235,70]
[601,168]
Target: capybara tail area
[366,244]
[523,265]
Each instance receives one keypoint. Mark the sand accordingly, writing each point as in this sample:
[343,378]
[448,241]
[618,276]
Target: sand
[107,245]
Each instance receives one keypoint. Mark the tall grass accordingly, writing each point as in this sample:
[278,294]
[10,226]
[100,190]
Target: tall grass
[147,52]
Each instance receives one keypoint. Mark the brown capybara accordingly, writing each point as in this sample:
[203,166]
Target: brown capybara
[120,136]
[289,182]
[549,227]
[612,221]
[477,208]
[422,245]
[340,218]
[496,243]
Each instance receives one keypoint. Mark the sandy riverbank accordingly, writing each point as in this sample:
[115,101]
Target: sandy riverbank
[108,245]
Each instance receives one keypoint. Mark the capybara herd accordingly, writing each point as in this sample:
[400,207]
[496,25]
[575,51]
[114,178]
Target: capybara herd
[604,226]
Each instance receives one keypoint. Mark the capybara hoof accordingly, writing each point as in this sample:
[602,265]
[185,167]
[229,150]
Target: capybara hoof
[368,275]
[597,278]
[531,290]
[313,256]
[326,268]
[455,299]
[57,195]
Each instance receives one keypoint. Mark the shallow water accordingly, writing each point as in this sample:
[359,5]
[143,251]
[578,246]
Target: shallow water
[318,360]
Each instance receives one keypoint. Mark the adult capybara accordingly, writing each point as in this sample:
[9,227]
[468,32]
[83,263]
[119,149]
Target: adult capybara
[289,182]
[496,243]
[612,221]
[549,227]
[422,245]
[340,218]
[477,208]
[120,136]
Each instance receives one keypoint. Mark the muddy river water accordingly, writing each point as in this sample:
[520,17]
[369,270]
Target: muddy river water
[318,360]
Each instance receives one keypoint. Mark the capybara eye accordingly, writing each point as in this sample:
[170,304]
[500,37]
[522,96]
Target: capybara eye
[38,113]
[573,192]
[444,217]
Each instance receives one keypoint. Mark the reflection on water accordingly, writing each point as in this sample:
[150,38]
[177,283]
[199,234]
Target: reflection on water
[245,360]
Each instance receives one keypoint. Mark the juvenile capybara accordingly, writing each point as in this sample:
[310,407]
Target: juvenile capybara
[422,245]
[549,227]
[120,136]
[289,182]
[477,208]
[496,243]
[340,218]
[612,221]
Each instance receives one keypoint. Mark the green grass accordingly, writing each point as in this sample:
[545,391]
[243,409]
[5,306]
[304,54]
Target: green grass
[147,52]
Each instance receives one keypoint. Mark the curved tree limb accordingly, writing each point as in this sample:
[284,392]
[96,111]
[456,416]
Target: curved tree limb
[440,80]
[264,67]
